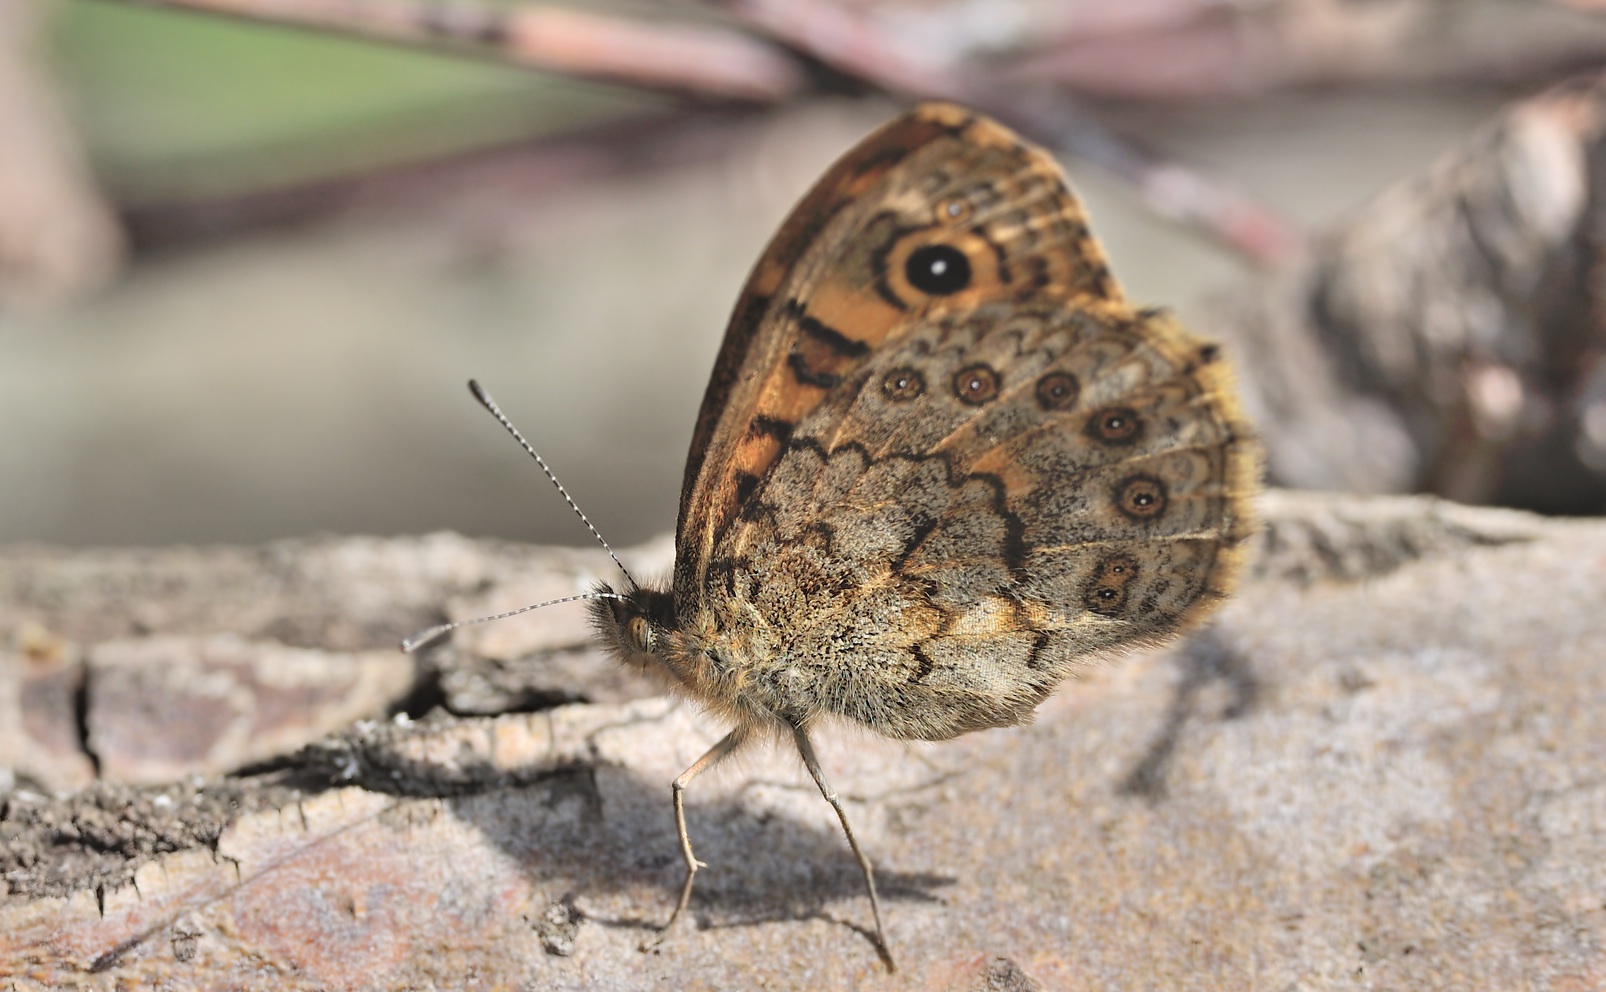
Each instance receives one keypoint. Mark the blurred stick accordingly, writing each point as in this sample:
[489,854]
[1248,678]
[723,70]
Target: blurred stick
[549,166]
[702,60]
[1192,50]
[852,44]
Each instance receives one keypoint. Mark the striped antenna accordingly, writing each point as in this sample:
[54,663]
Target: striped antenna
[424,637]
[496,411]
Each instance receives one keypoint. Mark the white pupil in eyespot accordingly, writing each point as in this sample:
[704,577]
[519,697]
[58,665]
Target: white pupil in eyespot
[938,266]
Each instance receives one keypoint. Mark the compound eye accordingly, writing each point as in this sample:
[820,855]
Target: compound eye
[642,637]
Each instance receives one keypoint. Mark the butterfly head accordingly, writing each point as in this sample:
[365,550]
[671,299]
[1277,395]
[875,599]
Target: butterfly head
[636,624]
[639,626]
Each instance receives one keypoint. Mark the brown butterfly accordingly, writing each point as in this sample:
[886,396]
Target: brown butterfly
[941,465]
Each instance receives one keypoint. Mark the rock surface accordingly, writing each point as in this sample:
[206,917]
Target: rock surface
[1380,768]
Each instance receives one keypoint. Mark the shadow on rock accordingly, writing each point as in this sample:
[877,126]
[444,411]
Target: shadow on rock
[1208,658]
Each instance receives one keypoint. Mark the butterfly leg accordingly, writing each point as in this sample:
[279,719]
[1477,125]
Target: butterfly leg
[727,746]
[805,748]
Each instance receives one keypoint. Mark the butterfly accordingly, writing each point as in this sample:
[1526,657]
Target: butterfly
[941,465]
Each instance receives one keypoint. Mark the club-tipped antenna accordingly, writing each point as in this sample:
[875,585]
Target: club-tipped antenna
[501,418]
[423,637]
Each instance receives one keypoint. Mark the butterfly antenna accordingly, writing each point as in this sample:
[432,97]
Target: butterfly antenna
[496,411]
[423,637]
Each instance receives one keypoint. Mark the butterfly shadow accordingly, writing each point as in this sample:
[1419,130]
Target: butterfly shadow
[593,838]
[1206,659]
[762,867]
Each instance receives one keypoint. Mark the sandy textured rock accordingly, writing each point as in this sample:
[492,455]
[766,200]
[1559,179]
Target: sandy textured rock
[41,681]
[160,708]
[145,665]
[1380,769]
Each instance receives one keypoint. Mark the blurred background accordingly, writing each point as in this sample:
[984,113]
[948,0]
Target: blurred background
[247,263]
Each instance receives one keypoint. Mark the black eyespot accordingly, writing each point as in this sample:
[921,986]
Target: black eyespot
[940,270]
[1114,425]
[903,384]
[975,384]
[1057,391]
[1107,589]
[1141,497]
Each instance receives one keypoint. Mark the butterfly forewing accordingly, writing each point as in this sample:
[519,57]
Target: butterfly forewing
[939,210]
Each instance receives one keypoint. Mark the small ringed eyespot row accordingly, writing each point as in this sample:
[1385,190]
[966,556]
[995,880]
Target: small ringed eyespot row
[1116,425]
[903,384]
[975,384]
[1141,497]
[1057,391]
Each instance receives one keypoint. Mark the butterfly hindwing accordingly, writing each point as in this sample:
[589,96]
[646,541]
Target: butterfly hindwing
[995,497]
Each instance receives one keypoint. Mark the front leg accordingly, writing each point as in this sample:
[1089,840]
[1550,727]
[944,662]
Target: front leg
[719,752]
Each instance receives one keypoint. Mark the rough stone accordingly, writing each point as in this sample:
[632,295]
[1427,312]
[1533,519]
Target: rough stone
[1373,771]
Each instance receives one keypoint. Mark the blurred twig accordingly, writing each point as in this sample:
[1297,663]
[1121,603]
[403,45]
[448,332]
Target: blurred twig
[57,237]
[706,60]
[853,44]
[1195,50]
[674,139]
